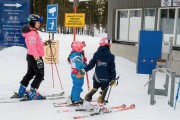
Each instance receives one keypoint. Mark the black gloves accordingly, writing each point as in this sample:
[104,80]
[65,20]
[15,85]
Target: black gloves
[40,63]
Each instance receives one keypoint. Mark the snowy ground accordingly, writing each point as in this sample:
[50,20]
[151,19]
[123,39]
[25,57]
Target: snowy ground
[130,89]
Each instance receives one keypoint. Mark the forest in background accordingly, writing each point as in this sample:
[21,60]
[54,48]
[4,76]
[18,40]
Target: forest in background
[96,12]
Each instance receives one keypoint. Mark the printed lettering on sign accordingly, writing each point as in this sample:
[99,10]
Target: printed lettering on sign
[165,3]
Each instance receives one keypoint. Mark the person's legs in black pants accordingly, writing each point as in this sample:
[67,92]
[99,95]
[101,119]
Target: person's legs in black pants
[104,88]
[33,70]
[29,75]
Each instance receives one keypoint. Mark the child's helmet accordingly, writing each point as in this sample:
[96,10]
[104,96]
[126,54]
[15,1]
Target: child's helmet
[106,41]
[33,18]
[78,46]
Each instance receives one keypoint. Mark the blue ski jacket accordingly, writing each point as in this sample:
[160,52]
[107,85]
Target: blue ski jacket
[77,62]
[104,63]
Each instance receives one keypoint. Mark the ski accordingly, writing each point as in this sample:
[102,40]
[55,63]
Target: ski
[46,98]
[64,104]
[72,105]
[85,110]
[55,95]
[15,100]
[102,113]
[50,95]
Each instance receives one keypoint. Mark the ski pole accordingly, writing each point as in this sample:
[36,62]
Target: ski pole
[51,62]
[87,78]
[109,94]
[56,69]
[52,58]
[177,94]
[111,88]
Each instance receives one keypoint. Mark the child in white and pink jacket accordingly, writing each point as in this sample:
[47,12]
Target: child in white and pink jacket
[35,64]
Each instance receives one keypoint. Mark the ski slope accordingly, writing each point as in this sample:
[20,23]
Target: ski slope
[130,89]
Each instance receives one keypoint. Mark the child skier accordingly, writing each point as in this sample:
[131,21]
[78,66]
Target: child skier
[35,52]
[105,72]
[77,62]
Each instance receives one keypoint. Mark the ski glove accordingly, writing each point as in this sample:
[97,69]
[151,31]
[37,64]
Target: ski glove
[81,73]
[39,63]
[112,83]
[84,59]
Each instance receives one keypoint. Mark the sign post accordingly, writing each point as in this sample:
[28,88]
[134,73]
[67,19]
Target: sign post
[13,15]
[76,2]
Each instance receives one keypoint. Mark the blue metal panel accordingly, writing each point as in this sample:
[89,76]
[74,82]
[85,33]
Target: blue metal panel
[13,15]
[150,47]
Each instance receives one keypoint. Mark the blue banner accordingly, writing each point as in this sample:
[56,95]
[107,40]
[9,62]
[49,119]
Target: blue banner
[13,15]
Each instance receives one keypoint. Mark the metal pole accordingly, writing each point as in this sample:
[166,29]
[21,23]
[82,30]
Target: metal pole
[75,7]
[152,101]
[171,102]
[149,83]
[52,36]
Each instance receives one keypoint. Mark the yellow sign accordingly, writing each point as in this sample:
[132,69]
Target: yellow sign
[74,19]
[51,54]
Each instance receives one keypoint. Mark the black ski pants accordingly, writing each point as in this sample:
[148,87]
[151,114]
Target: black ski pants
[104,87]
[33,71]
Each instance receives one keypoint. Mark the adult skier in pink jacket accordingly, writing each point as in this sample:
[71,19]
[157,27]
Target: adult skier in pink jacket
[35,52]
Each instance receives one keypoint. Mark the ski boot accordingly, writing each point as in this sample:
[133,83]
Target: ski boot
[104,108]
[96,111]
[89,95]
[80,102]
[34,95]
[77,102]
[86,106]
[102,97]
[68,100]
[21,92]
[100,109]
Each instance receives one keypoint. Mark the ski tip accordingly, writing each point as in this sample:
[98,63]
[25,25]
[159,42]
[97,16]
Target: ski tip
[62,93]
[123,105]
[77,117]
[133,106]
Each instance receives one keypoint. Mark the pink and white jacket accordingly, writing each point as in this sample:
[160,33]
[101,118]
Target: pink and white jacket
[33,42]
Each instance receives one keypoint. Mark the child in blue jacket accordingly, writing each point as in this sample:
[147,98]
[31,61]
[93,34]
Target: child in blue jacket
[77,62]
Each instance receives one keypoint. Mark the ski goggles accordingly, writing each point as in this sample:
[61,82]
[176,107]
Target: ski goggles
[40,19]
[35,18]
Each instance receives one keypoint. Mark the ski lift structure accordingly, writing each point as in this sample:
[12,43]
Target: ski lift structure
[163,66]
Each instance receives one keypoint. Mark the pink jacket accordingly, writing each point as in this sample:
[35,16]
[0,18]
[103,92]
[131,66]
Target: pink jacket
[34,44]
